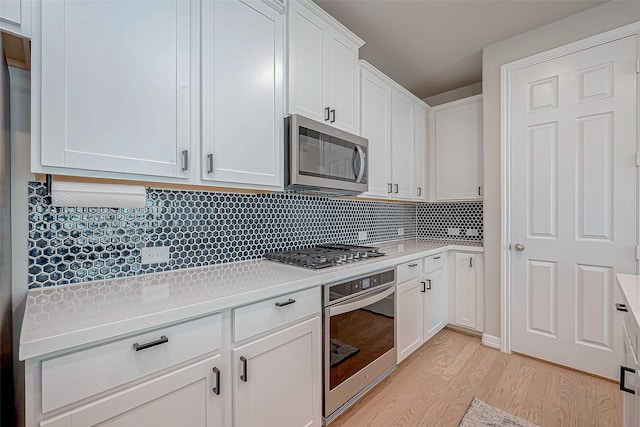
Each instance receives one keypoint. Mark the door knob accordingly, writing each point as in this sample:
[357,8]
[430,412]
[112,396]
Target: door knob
[519,247]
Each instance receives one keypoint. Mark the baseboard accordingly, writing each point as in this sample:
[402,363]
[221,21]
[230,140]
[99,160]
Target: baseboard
[491,341]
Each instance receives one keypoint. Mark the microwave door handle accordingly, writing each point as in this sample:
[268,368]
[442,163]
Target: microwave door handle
[359,172]
[361,302]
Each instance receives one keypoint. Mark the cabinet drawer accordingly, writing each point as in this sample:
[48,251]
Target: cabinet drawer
[409,270]
[434,262]
[72,377]
[260,317]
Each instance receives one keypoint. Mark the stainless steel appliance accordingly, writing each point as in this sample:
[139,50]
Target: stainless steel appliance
[359,347]
[320,159]
[323,256]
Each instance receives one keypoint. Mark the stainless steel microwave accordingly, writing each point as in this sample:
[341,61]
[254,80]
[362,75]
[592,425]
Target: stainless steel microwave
[323,160]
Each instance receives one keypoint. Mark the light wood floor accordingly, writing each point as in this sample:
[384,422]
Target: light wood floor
[434,386]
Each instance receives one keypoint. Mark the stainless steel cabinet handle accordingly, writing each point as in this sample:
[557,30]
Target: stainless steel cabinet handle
[437,257]
[139,347]
[413,265]
[389,188]
[519,247]
[333,116]
[623,371]
[210,163]
[185,160]
[395,188]
[419,191]
[423,287]
[245,369]
[282,304]
[429,287]
[216,389]
[326,114]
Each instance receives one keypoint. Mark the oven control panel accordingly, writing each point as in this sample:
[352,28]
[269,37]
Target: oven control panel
[347,288]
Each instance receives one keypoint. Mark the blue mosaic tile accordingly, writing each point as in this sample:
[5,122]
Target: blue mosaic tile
[433,220]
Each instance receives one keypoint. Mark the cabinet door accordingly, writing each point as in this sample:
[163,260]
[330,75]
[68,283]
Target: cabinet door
[242,101]
[15,17]
[116,86]
[409,320]
[184,397]
[458,146]
[307,67]
[630,404]
[279,382]
[342,82]
[420,158]
[402,145]
[465,289]
[435,303]
[375,97]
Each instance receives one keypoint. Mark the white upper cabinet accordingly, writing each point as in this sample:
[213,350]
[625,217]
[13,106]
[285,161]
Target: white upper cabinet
[115,81]
[375,125]
[420,153]
[394,123]
[15,17]
[402,145]
[457,149]
[242,93]
[323,76]
[169,91]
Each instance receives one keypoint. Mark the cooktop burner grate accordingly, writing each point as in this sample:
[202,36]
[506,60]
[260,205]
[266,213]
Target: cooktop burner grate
[323,256]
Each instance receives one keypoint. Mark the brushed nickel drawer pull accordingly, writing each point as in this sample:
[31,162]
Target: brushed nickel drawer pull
[282,304]
[138,347]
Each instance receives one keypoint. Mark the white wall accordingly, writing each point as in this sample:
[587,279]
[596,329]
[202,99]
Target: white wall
[454,95]
[20,94]
[590,22]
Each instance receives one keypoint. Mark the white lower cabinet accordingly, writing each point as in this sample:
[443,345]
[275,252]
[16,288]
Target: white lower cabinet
[467,286]
[435,303]
[277,379]
[629,371]
[410,317]
[421,302]
[184,397]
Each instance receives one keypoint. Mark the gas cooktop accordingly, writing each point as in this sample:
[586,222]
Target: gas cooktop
[323,256]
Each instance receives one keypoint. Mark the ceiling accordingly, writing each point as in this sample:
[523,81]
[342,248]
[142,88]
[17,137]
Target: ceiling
[430,47]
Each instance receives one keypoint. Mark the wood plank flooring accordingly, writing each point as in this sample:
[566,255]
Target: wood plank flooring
[434,386]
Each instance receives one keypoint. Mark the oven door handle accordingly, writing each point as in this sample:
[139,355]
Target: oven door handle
[361,302]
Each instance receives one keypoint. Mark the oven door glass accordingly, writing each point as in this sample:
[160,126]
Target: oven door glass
[361,330]
[325,156]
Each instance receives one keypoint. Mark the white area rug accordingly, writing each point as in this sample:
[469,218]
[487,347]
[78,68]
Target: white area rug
[480,414]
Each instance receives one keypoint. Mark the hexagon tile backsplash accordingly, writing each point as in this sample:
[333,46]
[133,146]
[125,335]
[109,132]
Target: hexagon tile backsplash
[70,245]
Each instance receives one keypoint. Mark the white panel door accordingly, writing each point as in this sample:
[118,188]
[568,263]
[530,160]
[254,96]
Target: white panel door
[375,97]
[279,381]
[184,397]
[573,204]
[409,320]
[435,303]
[242,98]
[420,144]
[307,67]
[465,289]
[458,151]
[402,145]
[342,82]
[116,86]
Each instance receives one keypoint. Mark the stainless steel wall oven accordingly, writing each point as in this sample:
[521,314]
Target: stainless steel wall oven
[359,338]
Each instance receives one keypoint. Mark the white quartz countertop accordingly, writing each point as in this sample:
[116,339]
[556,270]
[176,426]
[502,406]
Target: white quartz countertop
[62,317]
[630,290]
